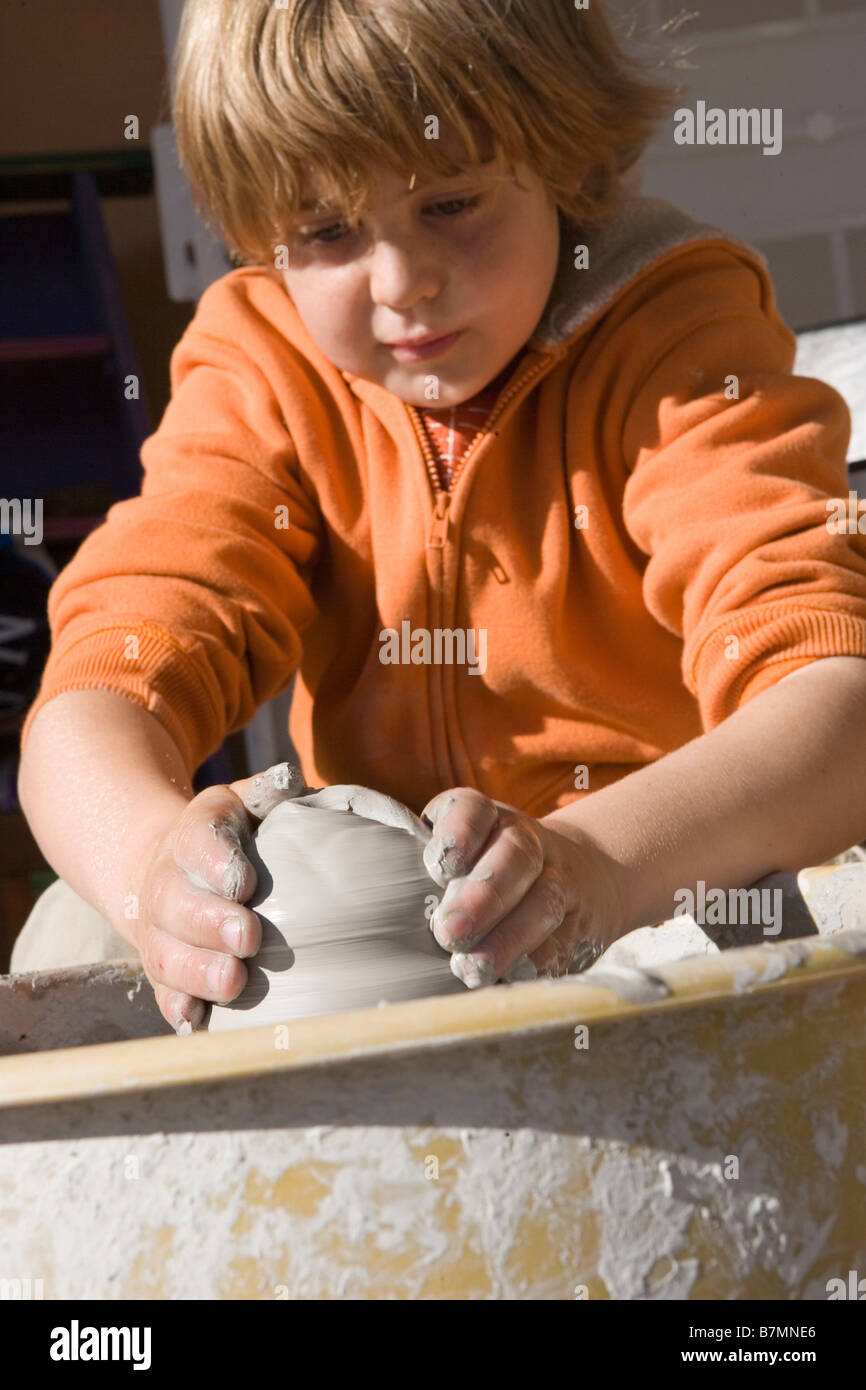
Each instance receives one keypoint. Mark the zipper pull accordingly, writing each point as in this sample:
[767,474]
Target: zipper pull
[439,529]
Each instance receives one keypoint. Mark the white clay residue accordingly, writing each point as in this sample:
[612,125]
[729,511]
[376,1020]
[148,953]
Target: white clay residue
[635,986]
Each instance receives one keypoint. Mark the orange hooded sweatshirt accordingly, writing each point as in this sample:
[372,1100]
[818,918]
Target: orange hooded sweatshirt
[634,545]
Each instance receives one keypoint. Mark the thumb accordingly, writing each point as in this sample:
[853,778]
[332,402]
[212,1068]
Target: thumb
[260,794]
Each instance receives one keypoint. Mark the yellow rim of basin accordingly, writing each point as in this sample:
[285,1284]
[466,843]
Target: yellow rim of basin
[439,1021]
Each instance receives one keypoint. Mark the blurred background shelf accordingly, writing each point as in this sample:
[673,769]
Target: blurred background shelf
[73,416]
[72,403]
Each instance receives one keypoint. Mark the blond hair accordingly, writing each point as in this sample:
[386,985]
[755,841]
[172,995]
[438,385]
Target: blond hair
[266,91]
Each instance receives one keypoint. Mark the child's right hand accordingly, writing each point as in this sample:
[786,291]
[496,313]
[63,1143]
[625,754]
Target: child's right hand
[192,880]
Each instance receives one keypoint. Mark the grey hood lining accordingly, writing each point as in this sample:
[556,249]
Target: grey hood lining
[638,233]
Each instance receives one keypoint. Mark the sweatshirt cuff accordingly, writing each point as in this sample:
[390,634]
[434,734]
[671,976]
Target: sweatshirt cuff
[755,648]
[147,665]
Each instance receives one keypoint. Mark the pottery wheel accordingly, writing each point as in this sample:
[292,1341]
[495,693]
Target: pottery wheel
[341,897]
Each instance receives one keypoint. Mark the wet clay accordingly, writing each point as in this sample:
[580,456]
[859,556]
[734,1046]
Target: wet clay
[344,901]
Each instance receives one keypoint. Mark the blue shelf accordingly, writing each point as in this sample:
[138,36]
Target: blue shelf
[45,295]
[65,354]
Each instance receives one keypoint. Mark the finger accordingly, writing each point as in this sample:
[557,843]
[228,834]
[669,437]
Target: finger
[208,844]
[260,794]
[538,914]
[552,957]
[200,918]
[501,877]
[462,821]
[184,1013]
[186,969]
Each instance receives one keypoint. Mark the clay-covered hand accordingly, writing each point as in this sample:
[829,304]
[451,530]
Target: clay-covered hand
[514,888]
[192,931]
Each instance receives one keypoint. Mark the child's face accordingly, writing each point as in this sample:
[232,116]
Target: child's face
[474,256]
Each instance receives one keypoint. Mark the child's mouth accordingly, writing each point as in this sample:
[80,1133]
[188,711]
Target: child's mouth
[406,352]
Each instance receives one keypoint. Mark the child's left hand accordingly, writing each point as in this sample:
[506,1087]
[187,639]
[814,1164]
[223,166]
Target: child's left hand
[513,887]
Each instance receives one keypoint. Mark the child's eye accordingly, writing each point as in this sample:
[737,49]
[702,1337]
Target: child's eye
[320,235]
[451,207]
[461,204]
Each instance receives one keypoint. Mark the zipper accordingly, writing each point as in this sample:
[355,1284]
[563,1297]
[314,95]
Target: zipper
[436,540]
[439,527]
[437,535]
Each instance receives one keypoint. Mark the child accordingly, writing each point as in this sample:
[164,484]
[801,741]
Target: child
[508,464]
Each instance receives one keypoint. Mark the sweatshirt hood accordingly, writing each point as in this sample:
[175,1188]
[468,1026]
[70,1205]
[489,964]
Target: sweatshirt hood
[640,232]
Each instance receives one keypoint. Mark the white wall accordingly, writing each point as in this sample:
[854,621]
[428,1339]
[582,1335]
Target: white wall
[805,207]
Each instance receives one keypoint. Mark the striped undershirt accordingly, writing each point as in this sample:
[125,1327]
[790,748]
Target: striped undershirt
[451,431]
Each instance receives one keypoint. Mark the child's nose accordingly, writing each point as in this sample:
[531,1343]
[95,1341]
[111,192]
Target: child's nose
[401,274]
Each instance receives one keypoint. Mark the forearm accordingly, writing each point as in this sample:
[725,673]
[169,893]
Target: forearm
[778,785]
[99,779]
